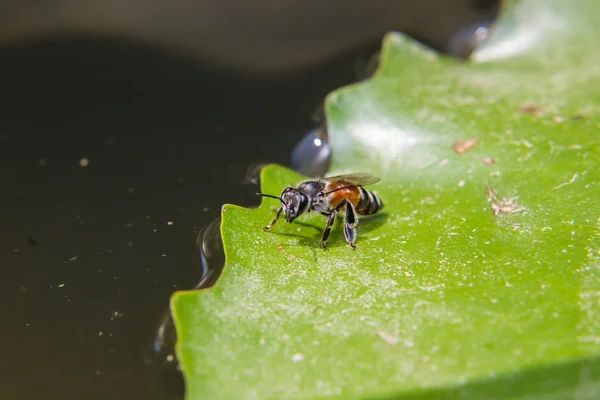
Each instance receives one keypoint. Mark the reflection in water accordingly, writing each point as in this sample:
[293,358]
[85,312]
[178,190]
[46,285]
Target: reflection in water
[365,67]
[211,254]
[253,173]
[212,258]
[163,347]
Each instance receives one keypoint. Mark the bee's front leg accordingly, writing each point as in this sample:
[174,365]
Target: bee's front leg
[266,228]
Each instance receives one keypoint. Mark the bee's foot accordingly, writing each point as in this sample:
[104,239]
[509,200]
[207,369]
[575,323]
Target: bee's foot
[325,248]
[354,247]
[266,228]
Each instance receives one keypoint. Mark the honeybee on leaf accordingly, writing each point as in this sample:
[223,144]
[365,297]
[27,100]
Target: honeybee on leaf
[330,196]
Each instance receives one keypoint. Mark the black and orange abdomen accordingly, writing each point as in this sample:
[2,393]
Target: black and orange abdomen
[369,202]
[365,201]
[350,194]
[341,190]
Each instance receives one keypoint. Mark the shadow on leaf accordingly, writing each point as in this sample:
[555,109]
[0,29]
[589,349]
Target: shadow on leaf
[336,238]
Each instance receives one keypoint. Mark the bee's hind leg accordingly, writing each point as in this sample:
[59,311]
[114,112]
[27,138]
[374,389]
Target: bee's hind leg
[350,225]
[266,228]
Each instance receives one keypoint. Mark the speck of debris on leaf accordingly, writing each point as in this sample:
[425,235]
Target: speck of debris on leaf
[489,160]
[577,117]
[506,205]
[462,146]
[298,357]
[531,109]
[279,247]
[389,339]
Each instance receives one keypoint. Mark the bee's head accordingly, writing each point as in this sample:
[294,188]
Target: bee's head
[293,201]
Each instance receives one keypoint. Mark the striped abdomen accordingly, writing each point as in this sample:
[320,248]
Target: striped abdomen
[369,202]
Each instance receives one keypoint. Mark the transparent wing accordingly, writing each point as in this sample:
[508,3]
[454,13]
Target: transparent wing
[358,179]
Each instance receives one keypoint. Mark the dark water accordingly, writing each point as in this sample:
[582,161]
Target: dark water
[113,156]
[90,255]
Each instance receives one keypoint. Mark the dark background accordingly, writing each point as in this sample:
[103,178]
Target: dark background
[90,255]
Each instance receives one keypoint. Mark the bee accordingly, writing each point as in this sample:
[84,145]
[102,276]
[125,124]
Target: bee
[330,196]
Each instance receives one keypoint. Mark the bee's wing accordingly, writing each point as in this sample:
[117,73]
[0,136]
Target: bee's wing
[358,179]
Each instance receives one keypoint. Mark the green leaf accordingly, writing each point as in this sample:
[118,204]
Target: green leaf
[444,298]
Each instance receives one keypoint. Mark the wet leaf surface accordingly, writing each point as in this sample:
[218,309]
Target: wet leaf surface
[479,279]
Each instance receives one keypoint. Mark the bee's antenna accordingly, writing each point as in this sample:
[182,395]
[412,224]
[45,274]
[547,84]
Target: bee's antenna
[271,196]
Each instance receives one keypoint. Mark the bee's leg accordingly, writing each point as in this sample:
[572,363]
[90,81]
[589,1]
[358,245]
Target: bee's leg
[330,222]
[266,228]
[351,215]
[350,225]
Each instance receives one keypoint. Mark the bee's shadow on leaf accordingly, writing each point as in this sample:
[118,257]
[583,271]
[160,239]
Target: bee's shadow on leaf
[336,238]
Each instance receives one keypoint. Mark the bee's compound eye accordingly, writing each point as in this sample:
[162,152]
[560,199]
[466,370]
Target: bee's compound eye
[311,156]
